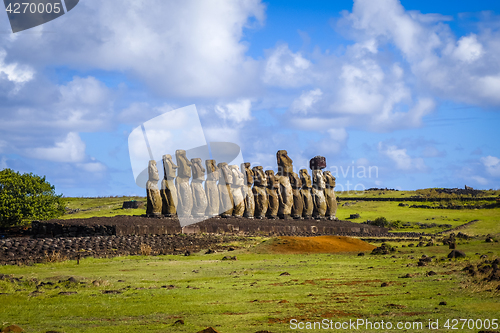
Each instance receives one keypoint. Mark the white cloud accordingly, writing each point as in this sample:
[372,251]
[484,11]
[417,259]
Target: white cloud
[468,49]
[401,159]
[480,180]
[71,149]
[15,72]
[492,165]
[139,112]
[306,101]
[179,48]
[338,134]
[239,111]
[334,142]
[92,167]
[284,68]
[463,70]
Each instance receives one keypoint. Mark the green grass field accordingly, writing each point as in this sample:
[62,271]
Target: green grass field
[149,294]
[106,206]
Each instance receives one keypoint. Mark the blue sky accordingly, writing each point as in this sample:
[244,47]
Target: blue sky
[409,88]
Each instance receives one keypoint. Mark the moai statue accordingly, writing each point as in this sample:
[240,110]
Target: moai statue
[285,193]
[247,191]
[185,195]
[318,189]
[259,192]
[272,194]
[331,200]
[211,188]
[224,186]
[237,191]
[306,194]
[298,201]
[168,191]
[199,196]
[153,193]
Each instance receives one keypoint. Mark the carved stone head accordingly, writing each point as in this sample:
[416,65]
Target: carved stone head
[184,170]
[330,179]
[259,176]
[153,171]
[272,181]
[285,163]
[168,167]
[295,181]
[238,177]
[225,176]
[318,179]
[197,169]
[212,171]
[305,178]
[249,174]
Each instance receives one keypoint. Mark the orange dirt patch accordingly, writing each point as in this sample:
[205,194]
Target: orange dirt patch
[319,244]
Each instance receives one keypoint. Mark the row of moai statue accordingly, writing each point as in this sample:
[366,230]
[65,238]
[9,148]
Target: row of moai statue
[252,193]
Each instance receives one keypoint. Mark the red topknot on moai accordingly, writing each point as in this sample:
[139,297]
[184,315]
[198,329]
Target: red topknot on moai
[317,163]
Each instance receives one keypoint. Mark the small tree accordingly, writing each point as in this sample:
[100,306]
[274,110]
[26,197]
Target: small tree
[27,197]
[381,222]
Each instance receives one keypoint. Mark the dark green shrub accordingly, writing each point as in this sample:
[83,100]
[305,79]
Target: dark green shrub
[27,197]
[381,222]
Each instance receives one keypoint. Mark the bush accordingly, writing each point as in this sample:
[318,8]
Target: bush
[381,222]
[27,197]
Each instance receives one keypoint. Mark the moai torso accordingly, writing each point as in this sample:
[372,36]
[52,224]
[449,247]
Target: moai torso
[259,192]
[306,193]
[237,191]
[318,194]
[331,200]
[285,193]
[153,207]
[211,189]
[247,190]
[298,201]
[272,194]
[199,196]
[185,195]
[168,191]
[224,186]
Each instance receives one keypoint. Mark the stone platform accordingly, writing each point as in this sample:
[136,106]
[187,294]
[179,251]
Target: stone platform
[137,225]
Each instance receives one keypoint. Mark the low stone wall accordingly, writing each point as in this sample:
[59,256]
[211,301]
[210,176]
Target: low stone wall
[135,225]
[339,198]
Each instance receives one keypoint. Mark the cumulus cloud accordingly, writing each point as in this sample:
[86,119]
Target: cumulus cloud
[139,112]
[238,111]
[390,77]
[92,167]
[468,49]
[71,149]
[333,142]
[492,165]
[186,48]
[306,101]
[446,66]
[284,68]
[15,72]
[401,158]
